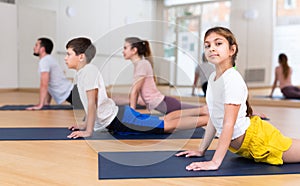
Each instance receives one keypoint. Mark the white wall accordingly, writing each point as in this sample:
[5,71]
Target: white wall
[42,24]
[255,37]
[106,23]
[8,50]
[286,40]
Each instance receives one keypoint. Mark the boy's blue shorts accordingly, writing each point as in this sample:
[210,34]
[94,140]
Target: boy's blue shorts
[131,121]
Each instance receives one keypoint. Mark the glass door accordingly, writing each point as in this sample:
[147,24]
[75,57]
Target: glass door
[187,50]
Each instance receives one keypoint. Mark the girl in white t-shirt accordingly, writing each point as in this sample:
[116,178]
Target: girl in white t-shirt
[139,52]
[231,118]
[102,114]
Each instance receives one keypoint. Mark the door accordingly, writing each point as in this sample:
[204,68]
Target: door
[187,50]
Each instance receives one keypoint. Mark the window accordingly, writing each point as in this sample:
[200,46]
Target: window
[286,37]
[290,4]
[288,12]
[184,32]
[8,1]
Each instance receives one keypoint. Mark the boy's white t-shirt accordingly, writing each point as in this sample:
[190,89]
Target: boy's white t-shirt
[89,78]
[230,88]
[59,87]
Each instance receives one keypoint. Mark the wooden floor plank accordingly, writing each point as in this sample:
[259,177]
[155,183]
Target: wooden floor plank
[69,162]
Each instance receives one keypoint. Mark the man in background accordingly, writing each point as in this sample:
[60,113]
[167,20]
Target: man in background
[53,82]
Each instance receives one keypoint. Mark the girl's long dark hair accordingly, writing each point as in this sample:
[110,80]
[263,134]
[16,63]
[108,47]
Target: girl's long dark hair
[143,48]
[283,61]
[249,111]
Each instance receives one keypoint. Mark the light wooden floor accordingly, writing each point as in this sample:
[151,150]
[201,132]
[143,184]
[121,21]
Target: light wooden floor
[75,162]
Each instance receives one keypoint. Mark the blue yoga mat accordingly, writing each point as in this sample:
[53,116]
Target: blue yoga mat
[125,165]
[276,97]
[62,133]
[48,107]
[268,97]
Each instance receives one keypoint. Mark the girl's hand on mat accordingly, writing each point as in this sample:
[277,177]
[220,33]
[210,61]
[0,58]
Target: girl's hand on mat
[78,134]
[36,107]
[190,153]
[205,165]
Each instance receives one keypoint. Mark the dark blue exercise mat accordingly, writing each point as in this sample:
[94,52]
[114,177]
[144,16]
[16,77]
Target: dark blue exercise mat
[268,97]
[48,107]
[34,133]
[276,97]
[137,107]
[199,95]
[62,133]
[129,165]
[183,134]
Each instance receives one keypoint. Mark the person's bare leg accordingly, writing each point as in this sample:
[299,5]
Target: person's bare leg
[292,154]
[199,111]
[185,123]
[120,99]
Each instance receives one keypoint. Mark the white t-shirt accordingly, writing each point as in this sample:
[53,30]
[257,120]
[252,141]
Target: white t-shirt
[89,78]
[230,88]
[59,87]
[149,92]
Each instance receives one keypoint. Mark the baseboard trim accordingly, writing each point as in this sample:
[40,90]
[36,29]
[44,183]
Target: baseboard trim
[33,90]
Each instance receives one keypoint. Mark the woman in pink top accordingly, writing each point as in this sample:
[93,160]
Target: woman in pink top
[283,74]
[139,52]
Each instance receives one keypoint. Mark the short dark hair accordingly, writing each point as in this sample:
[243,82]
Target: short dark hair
[47,44]
[82,45]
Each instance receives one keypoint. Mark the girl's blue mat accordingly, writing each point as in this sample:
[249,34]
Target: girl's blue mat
[125,165]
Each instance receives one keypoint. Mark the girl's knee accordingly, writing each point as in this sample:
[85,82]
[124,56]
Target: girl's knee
[169,127]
